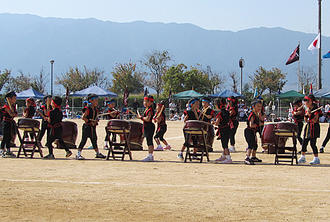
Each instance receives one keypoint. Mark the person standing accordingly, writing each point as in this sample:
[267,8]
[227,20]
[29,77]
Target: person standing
[8,114]
[233,123]
[160,119]
[89,127]
[222,121]
[327,138]
[312,129]
[298,114]
[148,126]
[55,133]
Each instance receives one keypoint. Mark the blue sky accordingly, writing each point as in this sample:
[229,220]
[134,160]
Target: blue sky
[298,15]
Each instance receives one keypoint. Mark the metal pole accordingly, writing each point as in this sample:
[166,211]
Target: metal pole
[241,80]
[299,76]
[51,76]
[320,49]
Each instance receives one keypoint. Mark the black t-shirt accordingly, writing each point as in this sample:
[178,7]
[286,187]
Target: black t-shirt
[256,120]
[224,117]
[30,111]
[208,112]
[56,116]
[191,115]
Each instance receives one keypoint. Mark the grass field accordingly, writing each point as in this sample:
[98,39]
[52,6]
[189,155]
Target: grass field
[165,190]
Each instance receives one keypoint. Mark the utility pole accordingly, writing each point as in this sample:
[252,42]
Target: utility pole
[320,49]
[51,76]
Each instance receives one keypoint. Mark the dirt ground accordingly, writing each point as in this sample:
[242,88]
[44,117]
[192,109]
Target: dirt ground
[165,190]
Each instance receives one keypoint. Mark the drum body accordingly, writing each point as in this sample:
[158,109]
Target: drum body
[133,129]
[136,135]
[268,135]
[28,123]
[70,133]
[207,128]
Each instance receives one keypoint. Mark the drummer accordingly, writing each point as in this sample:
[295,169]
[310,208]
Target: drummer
[89,127]
[298,114]
[29,112]
[160,119]
[233,113]
[8,114]
[253,125]
[45,110]
[112,114]
[207,113]
[327,138]
[312,129]
[191,113]
[222,121]
[148,125]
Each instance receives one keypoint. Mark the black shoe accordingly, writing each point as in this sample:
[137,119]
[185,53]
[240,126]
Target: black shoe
[322,150]
[100,155]
[9,154]
[248,161]
[68,154]
[299,152]
[49,157]
[255,159]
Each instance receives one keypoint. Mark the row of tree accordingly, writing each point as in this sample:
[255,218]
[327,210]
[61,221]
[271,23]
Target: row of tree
[157,71]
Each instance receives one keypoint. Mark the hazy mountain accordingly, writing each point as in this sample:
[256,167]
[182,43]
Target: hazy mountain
[28,42]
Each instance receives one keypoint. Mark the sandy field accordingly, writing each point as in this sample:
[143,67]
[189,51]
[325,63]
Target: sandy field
[165,190]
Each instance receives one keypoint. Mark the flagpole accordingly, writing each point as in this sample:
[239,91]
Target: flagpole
[299,77]
[320,49]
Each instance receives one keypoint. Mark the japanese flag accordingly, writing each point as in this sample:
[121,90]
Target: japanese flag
[315,44]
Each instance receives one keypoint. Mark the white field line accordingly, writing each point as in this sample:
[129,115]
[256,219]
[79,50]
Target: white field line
[157,185]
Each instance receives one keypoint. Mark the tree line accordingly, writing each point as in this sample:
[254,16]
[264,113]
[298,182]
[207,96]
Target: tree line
[158,71]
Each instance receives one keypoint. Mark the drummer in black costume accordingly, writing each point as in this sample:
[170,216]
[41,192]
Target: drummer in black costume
[207,114]
[89,127]
[148,125]
[312,129]
[298,115]
[223,133]
[112,114]
[45,110]
[253,125]
[56,131]
[191,113]
[233,113]
[8,114]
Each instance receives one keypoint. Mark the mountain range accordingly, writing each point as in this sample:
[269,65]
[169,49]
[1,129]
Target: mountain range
[29,42]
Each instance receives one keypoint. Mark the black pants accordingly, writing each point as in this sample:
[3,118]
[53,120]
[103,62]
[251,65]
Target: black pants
[233,133]
[300,128]
[251,139]
[88,132]
[327,138]
[43,130]
[56,134]
[149,131]
[161,132]
[225,135]
[8,128]
[313,145]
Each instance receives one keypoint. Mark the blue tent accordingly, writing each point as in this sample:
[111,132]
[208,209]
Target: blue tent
[322,92]
[226,94]
[30,93]
[93,89]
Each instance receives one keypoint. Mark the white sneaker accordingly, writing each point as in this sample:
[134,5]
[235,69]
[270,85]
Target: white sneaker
[168,147]
[159,148]
[222,158]
[232,149]
[148,159]
[180,156]
[315,161]
[302,159]
[226,161]
[79,157]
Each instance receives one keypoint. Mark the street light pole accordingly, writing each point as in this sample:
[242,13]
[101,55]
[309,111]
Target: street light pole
[51,76]
[320,49]
[241,65]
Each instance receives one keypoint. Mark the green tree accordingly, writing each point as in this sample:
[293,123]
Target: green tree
[157,65]
[270,81]
[125,77]
[19,83]
[76,79]
[234,79]
[178,79]
[4,78]
[39,82]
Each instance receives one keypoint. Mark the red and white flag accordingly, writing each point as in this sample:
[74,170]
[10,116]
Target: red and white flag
[315,44]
